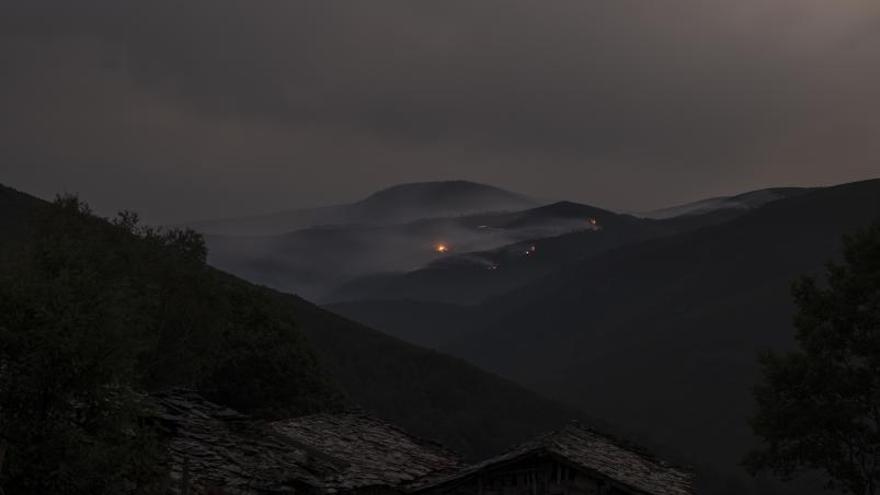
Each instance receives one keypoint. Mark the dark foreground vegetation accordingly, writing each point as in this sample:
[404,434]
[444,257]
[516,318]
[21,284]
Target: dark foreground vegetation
[91,313]
[96,314]
[819,406]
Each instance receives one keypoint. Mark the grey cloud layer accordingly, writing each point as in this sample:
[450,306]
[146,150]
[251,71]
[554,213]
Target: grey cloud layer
[628,103]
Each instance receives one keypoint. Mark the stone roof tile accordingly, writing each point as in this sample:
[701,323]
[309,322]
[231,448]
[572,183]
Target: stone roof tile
[375,452]
[592,452]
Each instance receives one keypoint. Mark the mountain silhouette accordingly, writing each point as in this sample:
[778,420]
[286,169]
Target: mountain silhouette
[396,204]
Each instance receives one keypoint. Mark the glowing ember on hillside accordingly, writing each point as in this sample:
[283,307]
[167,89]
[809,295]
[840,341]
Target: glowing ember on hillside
[441,248]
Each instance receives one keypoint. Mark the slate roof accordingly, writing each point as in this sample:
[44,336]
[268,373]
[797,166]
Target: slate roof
[332,453]
[375,452]
[218,447]
[594,453]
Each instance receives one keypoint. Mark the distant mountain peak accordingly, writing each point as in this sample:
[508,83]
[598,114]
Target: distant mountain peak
[447,190]
[437,184]
[395,204]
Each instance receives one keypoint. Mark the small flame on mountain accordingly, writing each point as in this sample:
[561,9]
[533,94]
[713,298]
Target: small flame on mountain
[441,248]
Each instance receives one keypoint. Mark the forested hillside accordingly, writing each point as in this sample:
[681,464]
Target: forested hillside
[663,336]
[429,393]
[659,336]
[95,312]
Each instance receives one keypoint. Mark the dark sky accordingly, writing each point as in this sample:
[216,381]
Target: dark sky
[192,109]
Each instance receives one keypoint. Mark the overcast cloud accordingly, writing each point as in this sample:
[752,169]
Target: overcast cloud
[194,109]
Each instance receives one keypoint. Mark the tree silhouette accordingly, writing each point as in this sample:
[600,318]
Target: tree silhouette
[819,406]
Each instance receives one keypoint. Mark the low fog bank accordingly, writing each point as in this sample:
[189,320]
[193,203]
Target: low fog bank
[311,262]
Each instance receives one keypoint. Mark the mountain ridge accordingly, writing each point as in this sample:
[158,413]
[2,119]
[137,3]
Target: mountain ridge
[665,334]
[471,277]
[744,201]
[662,334]
[314,260]
[394,204]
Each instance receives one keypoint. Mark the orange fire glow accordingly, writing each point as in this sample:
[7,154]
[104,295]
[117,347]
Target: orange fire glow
[441,248]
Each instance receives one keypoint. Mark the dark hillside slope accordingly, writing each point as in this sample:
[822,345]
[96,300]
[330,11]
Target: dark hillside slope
[433,395]
[150,297]
[663,335]
[429,393]
[412,306]
[430,324]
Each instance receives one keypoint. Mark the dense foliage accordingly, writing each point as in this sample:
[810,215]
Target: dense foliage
[819,406]
[92,314]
